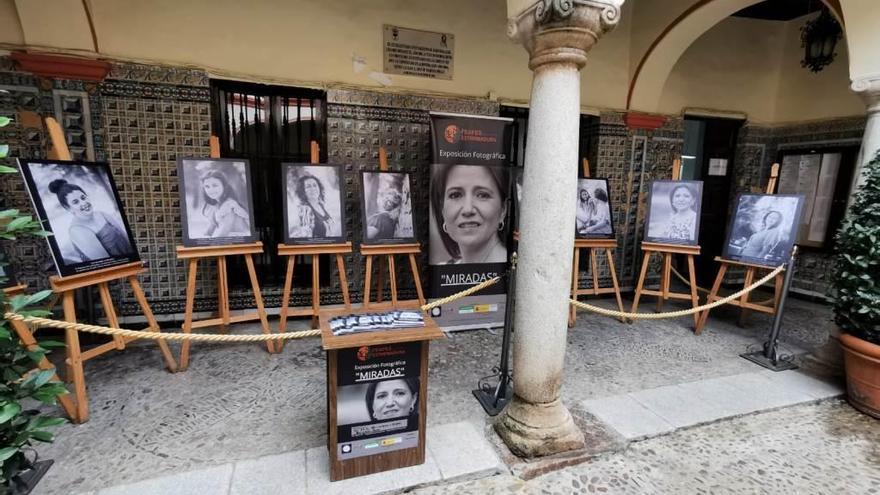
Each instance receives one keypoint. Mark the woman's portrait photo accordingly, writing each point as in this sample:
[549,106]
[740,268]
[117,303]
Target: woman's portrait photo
[378,401]
[469,206]
[387,208]
[313,211]
[764,228]
[79,204]
[674,212]
[593,217]
[215,201]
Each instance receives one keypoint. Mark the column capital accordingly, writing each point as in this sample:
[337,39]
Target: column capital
[868,89]
[563,31]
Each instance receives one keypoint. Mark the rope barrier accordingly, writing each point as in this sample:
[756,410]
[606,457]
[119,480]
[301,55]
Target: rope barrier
[700,289]
[207,337]
[684,312]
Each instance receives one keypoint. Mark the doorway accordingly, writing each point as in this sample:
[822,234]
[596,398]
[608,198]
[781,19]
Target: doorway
[708,154]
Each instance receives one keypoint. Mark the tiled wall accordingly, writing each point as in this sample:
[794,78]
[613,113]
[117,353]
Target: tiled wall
[142,117]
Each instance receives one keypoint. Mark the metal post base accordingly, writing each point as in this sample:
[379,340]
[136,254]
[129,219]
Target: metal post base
[759,358]
[493,401]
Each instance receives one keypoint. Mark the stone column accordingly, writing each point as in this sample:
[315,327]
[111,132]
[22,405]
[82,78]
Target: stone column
[557,34]
[869,90]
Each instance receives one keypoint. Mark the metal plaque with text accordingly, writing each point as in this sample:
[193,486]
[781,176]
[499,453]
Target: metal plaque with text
[412,52]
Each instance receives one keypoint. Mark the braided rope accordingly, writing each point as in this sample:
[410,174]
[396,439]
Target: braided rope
[763,302]
[676,314]
[459,295]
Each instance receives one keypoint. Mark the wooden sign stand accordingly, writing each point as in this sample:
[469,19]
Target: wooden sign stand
[593,245]
[389,251]
[192,255]
[78,407]
[666,251]
[313,250]
[750,276]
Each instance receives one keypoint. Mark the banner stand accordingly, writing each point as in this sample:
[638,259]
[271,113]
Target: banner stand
[495,400]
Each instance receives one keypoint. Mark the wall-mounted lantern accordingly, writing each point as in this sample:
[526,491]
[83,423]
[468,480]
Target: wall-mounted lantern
[819,38]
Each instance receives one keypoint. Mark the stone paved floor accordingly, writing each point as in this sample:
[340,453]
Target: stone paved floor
[825,448]
[237,402]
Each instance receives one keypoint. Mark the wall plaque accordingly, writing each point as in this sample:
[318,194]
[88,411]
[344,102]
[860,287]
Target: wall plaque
[412,52]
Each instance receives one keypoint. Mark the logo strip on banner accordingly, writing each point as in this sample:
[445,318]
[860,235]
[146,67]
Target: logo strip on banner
[469,227]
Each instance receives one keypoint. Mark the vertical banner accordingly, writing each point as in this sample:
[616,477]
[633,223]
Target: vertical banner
[469,217]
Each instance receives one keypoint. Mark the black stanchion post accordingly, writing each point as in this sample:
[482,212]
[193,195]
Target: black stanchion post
[769,356]
[494,400]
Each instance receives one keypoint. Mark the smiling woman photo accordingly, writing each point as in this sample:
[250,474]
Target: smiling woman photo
[91,232]
[673,214]
[469,206]
[224,214]
[392,398]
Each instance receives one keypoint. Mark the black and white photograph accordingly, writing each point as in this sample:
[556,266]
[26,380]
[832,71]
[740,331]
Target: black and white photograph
[764,228]
[377,401]
[387,208]
[78,202]
[215,201]
[674,212]
[469,206]
[593,218]
[313,208]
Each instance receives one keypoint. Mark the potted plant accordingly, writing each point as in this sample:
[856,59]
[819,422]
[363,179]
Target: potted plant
[22,384]
[856,283]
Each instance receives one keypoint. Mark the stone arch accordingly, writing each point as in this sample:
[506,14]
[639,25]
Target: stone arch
[656,64]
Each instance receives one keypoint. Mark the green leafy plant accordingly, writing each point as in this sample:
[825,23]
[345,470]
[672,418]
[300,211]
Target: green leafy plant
[856,279]
[22,384]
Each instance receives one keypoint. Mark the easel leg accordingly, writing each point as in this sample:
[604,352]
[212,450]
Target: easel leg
[74,360]
[170,363]
[110,313]
[258,296]
[713,294]
[417,278]
[380,283]
[285,300]
[744,313]
[316,289]
[641,283]
[665,271]
[695,299]
[594,270]
[223,293]
[367,281]
[614,283]
[193,263]
[28,340]
[392,277]
[343,281]
[572,310]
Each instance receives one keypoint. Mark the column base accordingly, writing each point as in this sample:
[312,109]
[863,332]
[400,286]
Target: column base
[537,430]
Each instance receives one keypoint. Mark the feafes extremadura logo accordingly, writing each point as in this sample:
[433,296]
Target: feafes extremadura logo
[363,353]
[451,134]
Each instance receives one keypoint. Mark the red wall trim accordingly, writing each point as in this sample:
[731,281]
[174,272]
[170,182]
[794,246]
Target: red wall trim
[55,66]
[635,120]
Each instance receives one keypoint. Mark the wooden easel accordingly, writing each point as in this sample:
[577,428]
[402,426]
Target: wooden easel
[666,251]
[389,250]
[78,407]
[313,250]
[193,255]
[593,245]
[28,340]
[750,276]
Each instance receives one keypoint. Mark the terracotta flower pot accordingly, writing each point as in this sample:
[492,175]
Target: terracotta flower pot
[862,361]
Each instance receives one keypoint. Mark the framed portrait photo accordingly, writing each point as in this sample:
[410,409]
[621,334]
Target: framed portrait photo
[313,203]
[674,212]
[216,205]
[764,228]
[593,218]
[386,208]
[79,203]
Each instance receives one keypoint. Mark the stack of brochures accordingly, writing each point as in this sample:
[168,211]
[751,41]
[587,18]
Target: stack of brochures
[372,322]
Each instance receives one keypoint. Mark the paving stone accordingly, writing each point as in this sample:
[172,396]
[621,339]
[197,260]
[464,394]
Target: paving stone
[270,475]
[818,388]
[721,392]
[461,451]
[678,406]
[770,393]
[628,416]
[318,477]
[213,481]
